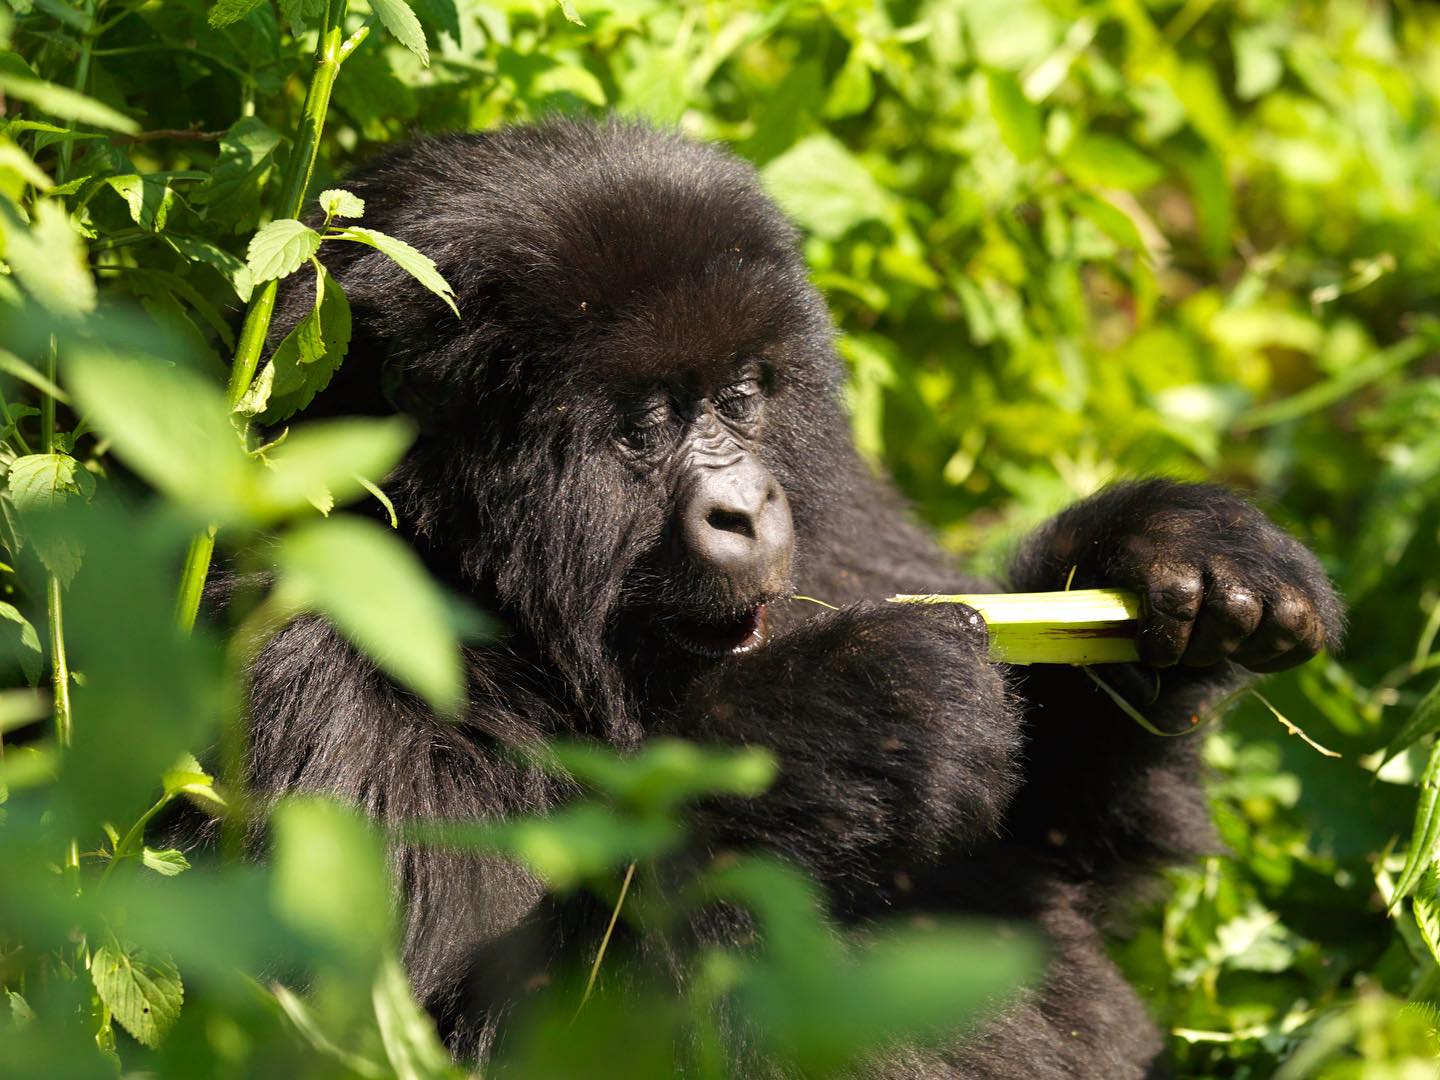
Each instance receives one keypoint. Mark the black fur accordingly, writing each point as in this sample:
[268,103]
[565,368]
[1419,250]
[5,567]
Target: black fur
[591,263]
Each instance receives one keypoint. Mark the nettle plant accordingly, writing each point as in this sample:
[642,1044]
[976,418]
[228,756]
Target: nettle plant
[130,445]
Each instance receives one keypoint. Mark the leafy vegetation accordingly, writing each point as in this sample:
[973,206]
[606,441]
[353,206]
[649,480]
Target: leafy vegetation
[1066,239]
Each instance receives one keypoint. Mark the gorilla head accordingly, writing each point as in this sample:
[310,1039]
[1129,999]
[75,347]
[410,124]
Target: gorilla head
[613,432]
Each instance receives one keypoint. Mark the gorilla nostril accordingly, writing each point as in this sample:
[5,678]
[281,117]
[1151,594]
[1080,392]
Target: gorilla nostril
[731,521]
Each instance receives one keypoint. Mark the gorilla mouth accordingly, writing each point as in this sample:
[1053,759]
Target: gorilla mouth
[732,637]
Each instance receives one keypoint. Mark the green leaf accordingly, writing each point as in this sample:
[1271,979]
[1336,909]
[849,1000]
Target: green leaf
[1425,835]
[246,155]
[188,777]
[1105,161]
[330,880]
[418,265]
[666,772]
[142,990]
[281,248]
[39,484]
[166,863]
[1423,720]
[306,360]
[1015,115]
[149,198]
[401,21]
[226,12]
[11,364]
[567,848]
[567,8]
[17,81]
[337,202]
[330,456]
[375,590]
[49,258]
[821,185]
[171,425]
[26,646]
[408,1033]
[231,268]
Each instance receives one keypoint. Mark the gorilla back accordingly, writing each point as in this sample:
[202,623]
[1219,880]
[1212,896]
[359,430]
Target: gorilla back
[633,452]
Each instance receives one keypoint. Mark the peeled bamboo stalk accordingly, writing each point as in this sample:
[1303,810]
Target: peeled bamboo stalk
[1083,626]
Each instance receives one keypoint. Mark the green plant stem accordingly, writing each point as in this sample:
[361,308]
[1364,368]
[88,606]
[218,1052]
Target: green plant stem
[330,51]
[54,602]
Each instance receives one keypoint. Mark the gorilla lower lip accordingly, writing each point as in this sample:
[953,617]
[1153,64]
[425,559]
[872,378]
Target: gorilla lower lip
[741,635]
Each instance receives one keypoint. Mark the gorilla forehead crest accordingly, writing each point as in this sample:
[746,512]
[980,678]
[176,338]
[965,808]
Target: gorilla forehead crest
[641,248]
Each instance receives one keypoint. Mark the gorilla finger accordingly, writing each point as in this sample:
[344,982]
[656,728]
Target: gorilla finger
[1172,602]
[1289,623]
[1231,614]
[1283,662]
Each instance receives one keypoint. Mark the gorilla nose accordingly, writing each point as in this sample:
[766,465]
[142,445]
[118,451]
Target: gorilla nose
[737,522]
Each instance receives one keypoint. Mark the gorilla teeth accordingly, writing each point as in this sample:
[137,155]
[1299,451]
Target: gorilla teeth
[714,640]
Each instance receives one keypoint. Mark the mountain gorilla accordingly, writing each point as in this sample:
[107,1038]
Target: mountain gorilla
[633,452]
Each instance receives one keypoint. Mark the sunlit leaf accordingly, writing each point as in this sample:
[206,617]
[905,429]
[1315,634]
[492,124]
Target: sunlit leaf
[374,588]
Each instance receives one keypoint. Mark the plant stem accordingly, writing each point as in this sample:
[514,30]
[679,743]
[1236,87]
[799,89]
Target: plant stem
[329,52]
[54,603]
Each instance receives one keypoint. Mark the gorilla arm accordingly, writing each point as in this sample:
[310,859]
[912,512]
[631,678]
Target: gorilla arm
[896,739]
[477,929]
[1224,592]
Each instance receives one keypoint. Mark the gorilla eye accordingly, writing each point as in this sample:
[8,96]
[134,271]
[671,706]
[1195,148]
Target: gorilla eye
[740,401]
[643,428]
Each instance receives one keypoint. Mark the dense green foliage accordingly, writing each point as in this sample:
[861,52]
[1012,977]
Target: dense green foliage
[1065,241]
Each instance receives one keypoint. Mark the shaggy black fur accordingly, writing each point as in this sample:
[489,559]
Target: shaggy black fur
[596,267]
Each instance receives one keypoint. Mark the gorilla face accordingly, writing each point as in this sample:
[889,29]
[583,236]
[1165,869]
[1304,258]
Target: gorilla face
[620,434]
[726,547]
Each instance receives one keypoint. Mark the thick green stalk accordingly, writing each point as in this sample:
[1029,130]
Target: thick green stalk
[1083,626]
[330,51]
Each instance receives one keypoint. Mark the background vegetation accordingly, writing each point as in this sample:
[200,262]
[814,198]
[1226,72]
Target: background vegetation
[1066,240]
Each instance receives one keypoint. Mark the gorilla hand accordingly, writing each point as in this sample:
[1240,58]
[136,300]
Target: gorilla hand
[895,738]
[1218,580]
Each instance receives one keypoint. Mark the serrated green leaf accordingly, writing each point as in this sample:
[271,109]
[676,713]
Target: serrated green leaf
[226,12]
[22,170]
[166,863]
[11,364]
[171,425]
[374,589]
[415,263]
[306,360]
[408,1033]
[246,157]
[330,879]
[39,484]
[142,990]
[337,202]
[17,81]
[49,258]
[567,8]
[26,644]
[1423,720]
[324,457]
[149,198]
[280,248]
[229,266]
[1427,912]
[1425,834]
[401,21]
[188,777]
